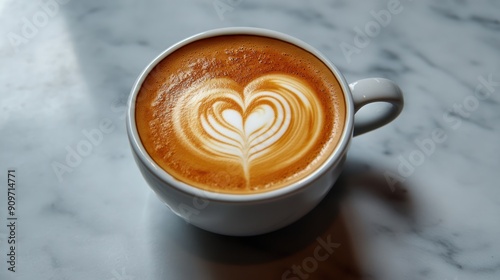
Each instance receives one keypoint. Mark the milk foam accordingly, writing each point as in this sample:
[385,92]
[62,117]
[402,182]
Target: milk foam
[274,117]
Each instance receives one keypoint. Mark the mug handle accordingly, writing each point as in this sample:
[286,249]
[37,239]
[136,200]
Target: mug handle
[373,90]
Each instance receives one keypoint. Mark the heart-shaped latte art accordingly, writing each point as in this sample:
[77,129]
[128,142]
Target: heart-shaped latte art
[270,123]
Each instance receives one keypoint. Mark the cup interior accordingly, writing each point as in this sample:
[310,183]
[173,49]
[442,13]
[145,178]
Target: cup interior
[170,181]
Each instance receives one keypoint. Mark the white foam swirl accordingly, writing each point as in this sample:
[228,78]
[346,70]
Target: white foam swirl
[269,124]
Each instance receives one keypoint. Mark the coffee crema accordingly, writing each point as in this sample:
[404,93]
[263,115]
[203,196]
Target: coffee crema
[240,113]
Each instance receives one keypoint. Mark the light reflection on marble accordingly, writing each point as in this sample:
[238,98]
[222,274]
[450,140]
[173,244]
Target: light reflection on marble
[99,220]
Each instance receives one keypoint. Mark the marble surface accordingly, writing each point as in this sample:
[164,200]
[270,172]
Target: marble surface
[419,198]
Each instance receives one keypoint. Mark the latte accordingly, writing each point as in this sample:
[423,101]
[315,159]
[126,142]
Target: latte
[240,114]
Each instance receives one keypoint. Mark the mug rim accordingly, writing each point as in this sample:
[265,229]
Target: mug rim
[335,156]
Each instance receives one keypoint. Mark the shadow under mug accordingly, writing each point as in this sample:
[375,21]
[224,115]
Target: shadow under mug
[252,214]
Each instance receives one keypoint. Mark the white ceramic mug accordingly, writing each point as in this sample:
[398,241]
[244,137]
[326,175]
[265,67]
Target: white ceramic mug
[252,214]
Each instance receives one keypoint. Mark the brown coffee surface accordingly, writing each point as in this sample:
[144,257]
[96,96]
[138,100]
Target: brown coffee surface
[240,114]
